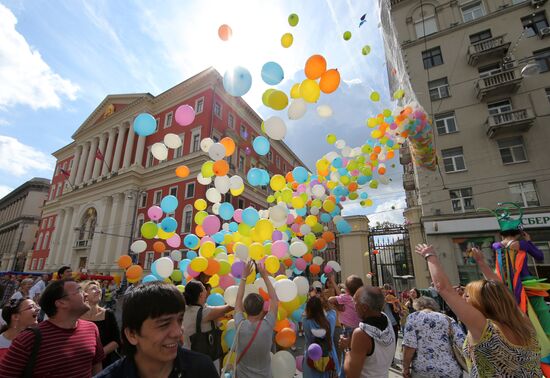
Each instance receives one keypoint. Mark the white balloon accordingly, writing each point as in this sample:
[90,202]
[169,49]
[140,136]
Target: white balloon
[225,226]
[298,248]
[203,180]
[176,255]
[305,229]
[250,288]
[222,184]
[206,143]
[334,265]
[230,295]
[236,182]
[331,156]
[221,256]
[340,143]
[314,210]
[283,365]
[317,284]
[318,190]
[216,151]
[278,213]
[213,195]
[159,151]
[317,260]
[302,285]
[216,208]
[324,111]
[275,128]
[384,180]
[172,141]
[138,246]
[260,284]
[241,251]
[346,151]
[286,290]
[297,109]
[165,267]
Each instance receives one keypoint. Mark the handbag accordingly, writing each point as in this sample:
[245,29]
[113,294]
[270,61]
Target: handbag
[231,364]
[457,353]
[210,342]
[27,373]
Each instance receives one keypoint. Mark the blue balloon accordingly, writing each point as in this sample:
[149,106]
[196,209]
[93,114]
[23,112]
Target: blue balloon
[325,218]
[300,174]
[233,226]
[301,212]
[191,241]
[261,145]
[237,81]
[218,237]
[323,278]
[229,337]
[297,315]
[272,73]
[343,227]
[215,300]
[337,162]
[254,176]
[362,180]
[169,224]
[169,204]
[265,177]
[250,216]
[226,210]
[183,264]
[149,278]
[191,255]
[145,124]
[364,195]
[154,269]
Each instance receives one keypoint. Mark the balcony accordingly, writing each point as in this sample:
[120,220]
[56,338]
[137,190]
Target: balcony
[408,181]
[513,121]
[498,83]
[82,244]
[404,155]
[488,49]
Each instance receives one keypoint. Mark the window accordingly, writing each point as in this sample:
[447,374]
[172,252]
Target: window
[548,94]
[432,57]
[524,193]
[438,88]
[425,27]
[445,123]
[472,11]
[217,110]
[143,200]
[490,70]
[39,242]
[179,151]
[453,160]
[71,164]
[462,200]
[150,158]
[499,107]
[278,161]
[41,263]
[241,203]
[512,150]
[168,119]
[284,167]
[140,221]
[149,256]
[244,133]
[533,23]
[174,191]
[187,219]
[157,197]
[158,123]
[241,163]
[58,191]
[199,105]
[270,155]
[33,265]
[230,121]
[50,220]
[190,190]
[196,140]
[542,57]
[481,36]
[46,243]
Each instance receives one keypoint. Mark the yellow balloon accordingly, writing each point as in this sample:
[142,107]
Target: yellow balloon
[164,235]
[309,90]
[286,40]
[329,206]
[237,192]
[281,313]
[277,182]
[375,96]
[278,100]
[287,195]
[272,264]
[199,217]
[200,204]
[264,229]
[265,96]
[207,249]
[291,305]
[244,229]
[207,168]
[199,264]
[214,281]
[376,134]
[217,290]
[281,277]
[311,220]
[256,251]
[295,91]
[297,202]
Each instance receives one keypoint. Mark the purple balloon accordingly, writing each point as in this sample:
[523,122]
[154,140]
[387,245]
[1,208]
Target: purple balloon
[154,213]
[174,241]
[314,352]
[211,224]
[185,115]
[237,269]
[277,235]
[247,151]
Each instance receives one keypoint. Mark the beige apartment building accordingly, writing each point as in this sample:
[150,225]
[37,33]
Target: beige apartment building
[473,67]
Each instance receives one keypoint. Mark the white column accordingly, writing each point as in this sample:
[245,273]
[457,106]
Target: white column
[82,163]
[97,162]
[118,148]
[69,237]
[56,235]
[107,256]
[129,148]
[125,224]
[76,160]
[108,152]
[139,151]
[90,161]
[61,246]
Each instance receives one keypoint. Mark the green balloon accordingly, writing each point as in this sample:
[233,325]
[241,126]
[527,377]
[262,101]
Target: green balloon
[347,36]
[176,275]
[149,230]
[366,50]
[293,19]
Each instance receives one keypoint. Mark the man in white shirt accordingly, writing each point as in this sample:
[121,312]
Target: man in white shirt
[37,289]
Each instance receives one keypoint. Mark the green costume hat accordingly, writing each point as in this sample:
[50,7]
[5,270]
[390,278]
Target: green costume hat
[504,216]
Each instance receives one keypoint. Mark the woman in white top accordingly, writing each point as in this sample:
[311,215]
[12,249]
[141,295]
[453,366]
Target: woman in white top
[18,315]
[24,288]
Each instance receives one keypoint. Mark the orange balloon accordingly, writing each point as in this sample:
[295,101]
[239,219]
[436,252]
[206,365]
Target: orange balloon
[320,244]
[280,324]
[229,145]
[124,261]
[134,272]
[308,257]
[199,231]
[330,81]
[264,294]
[159,247]
[299,219]
[377,149]
[352,186]
[285,337]
[182,171]
[328,236]
[381,170]
[288,263]
[213,267]
[316,65]
[220,168]
[314,269]
[289,177]
[225,32]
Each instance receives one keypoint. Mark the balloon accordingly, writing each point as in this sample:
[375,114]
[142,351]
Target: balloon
[237,81]
[149,278]
[154,212]
[283,365]
[286,290]
[215,300]
[226,210]
[330,81]
[272,73]
[176,254]
[169,224]
[190,241]
[199,264]
[165,267]
[229,145]
[172,141]
[316,65]
[182,171]
[200,204]
[169,204]
[213,195]
[286,40]
[293,19]
[375,96]
[347,36]
[159,151]
[216,151]
[230,295]
[279,248]
[300,174]
[297,109]
[159,247]
[324,111]
[149,230]
[134,272]
[206,143]
[365,50]
[302,285]
[285,337]
[250,216]
[309,90]
[221,168]
[145,124]
[236,182]
[277,100]
[314,351]
[237,269]
[211,224]
[272,264]
[221,183]
[124,261]
[225,32]
[138,246]
[176,276]
[298,248]
[261,145]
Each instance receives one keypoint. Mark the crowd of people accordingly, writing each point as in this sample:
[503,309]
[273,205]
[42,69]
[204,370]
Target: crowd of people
[64,328]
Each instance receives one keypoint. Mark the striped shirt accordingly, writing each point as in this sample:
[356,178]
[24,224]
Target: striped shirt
[63,352]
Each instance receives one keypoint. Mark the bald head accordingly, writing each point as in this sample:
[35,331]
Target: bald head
[369,300]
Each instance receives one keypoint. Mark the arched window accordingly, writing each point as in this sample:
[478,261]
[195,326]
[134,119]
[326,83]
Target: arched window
[39,242]
[46,244]
[187,219]
[139,222]
[87,224]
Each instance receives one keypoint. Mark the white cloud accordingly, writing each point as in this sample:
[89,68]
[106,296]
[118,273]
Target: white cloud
[4,122]
[355,81]
[25,78]
[4,190]
[19,159]
[390,210]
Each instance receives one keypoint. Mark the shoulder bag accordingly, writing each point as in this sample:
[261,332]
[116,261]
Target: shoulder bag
[209,343]
[27,373]
[457,353]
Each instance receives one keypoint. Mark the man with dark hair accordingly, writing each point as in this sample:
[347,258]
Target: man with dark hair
[256,332]
[69,346]
[152,318]
[64,273]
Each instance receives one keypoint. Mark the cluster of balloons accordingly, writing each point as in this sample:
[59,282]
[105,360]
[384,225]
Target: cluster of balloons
[133,271]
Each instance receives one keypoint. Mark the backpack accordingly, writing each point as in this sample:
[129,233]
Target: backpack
[326,362]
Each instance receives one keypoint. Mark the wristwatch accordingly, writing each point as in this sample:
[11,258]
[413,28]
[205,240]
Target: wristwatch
[428,255]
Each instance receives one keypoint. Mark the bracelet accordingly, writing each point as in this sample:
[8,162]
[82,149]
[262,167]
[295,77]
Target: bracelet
[428,255]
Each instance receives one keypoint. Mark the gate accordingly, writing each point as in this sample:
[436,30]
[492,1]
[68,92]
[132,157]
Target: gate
[390,255]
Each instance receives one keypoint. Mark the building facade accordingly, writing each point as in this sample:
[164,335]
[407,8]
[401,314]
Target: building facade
[19,220]
[96,206]
[473,66]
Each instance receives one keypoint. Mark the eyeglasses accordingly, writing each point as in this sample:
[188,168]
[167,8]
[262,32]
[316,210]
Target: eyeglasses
[33,307]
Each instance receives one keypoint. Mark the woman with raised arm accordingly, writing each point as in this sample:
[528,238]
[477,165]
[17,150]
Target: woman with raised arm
[501,340]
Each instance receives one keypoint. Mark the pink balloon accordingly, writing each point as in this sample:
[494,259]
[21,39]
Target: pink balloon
[174,241]
[266,306]
[154,213]
[185,115]
[211,224]
[226,281]
[295,227]
[192,273]
[300,264]
[299,363]
[327,269]
[279,248]
[290,219]
[238,215]
[292,325]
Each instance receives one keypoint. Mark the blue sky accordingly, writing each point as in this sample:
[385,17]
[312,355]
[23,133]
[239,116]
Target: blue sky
[58,60]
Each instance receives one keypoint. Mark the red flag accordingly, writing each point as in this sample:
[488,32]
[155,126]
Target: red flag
[65,173]
[99,155]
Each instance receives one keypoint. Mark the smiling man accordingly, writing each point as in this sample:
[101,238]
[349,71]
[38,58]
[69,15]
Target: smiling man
[152,319]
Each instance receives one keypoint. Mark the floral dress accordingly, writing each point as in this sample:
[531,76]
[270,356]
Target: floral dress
[428,333]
